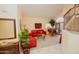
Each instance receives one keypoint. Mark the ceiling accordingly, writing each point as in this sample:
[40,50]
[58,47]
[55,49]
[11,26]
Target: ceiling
[41,10]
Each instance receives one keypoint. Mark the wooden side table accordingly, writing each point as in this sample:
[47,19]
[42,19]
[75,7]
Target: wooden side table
[52,31]
[10,49]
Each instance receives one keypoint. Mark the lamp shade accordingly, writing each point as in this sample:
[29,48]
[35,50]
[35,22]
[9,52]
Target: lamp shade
[60,20]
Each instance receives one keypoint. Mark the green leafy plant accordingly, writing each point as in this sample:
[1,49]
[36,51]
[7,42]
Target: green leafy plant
[52,22]
[24,36]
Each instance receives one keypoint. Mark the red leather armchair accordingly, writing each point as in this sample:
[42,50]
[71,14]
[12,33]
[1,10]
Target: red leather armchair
[33,42]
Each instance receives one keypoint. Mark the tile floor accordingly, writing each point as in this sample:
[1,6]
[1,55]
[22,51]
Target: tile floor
[48,46]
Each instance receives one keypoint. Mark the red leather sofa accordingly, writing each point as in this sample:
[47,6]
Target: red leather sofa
[37,33]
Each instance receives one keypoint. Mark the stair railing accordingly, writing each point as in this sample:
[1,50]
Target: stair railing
[71,12]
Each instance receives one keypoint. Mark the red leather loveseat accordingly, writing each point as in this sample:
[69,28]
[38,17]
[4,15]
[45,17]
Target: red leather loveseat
[37,33]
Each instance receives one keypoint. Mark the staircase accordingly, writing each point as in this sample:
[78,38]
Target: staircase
[72,19]
[70,35]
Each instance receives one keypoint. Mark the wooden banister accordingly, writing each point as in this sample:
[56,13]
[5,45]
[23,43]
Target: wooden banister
[70,13]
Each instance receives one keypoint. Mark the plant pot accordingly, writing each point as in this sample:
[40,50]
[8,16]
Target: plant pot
[26,51]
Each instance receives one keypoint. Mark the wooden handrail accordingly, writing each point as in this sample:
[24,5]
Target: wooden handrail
[67,12]
[70,16]
[70,9]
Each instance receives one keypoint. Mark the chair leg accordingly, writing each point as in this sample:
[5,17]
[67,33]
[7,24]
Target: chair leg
[44,38]
[60,39]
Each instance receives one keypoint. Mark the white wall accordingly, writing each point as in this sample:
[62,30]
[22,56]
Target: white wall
[9,11]
[70,42]
[41,10]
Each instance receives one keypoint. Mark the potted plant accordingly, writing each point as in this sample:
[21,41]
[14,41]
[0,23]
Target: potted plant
[52,22]
[24,39]
[52,30]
